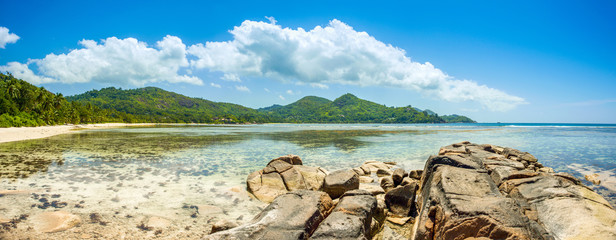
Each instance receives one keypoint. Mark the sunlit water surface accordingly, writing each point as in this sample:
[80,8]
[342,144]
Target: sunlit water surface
[163,171]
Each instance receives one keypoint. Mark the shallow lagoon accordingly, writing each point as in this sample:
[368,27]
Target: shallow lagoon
[192,175]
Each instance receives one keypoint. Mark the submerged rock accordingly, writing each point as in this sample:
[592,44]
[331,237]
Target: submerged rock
[50,222]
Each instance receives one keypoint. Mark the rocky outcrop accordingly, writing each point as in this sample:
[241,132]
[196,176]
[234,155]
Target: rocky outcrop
[282,175]
[472,190]
[401,200]
[338,182]
[352,218]
[294,215]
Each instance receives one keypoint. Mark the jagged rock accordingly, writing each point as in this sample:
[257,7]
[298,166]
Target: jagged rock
[338,182]
[373,166]
[222,225]
[284,174]
[352,218]
[50,222]
[387,183]
[365,179]
[401,200]
[398,175]
[415,174]
[372,188]
[294,215]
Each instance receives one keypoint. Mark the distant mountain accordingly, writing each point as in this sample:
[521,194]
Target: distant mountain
[351,109]
[152,104]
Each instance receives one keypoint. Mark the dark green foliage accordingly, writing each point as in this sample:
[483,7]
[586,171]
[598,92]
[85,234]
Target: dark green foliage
[25,105]
[457,119]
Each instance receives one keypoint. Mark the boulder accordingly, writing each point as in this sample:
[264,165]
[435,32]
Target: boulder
[338,182]
[294,215]
[50,222]
[373,166]
[593,178]
[407,181]
[284,174]
[383,172]
[401,200]
[366,179]
[387,183]
[398,175]
[222,225]
[352,218]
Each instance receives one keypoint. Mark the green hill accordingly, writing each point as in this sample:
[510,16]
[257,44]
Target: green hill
[23,104]
[152,104]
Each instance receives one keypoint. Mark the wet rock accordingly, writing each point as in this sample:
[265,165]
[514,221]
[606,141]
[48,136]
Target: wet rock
[338,182]
[387,183]
[366,179]
[50,222]
[593,178]
[398,175]
[294,215]
[222,225]
[401,200]
[352,218]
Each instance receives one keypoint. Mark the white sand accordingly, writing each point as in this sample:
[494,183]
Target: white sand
[26,133]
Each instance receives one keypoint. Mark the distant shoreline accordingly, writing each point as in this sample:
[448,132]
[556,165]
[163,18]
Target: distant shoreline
[14,134]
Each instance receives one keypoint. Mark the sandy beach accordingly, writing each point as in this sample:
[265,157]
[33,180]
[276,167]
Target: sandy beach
[25,133]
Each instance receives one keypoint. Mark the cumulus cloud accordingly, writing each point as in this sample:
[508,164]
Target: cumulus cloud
[242,88]
[319,85]
[6,37]
[22,71]
[290,92]
[116,61]
[215,85]
[231,77]
[335,54]
[281,97]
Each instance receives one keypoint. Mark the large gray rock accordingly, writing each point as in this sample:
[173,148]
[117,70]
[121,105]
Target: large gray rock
[472,190]
[294,215]
[352,218]
[338,182]
[401,200]
[282,175]
[398,175]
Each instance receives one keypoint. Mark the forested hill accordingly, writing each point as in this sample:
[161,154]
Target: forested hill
[23,104]
[351,109]
[152,104]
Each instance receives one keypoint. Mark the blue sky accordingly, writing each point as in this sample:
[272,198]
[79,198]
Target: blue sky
[517,61]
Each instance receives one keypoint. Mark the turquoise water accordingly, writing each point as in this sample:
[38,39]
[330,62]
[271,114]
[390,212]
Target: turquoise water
[161,170]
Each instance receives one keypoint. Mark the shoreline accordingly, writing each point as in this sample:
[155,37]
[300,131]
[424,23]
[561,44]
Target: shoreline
[14,134]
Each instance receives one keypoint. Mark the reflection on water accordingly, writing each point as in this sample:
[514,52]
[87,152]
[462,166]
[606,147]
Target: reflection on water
[160,171]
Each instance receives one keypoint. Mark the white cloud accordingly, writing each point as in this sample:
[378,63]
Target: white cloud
[242,88]
[231,77]
[335,54]
[290,92]
[319,85]
[116,61]
[21,71]
[267,90]
[282,97]
[6,37]
[215,85]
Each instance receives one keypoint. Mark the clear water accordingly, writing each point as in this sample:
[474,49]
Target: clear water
[159,171]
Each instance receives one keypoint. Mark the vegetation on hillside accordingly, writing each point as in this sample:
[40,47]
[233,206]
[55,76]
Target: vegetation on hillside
[23,104]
